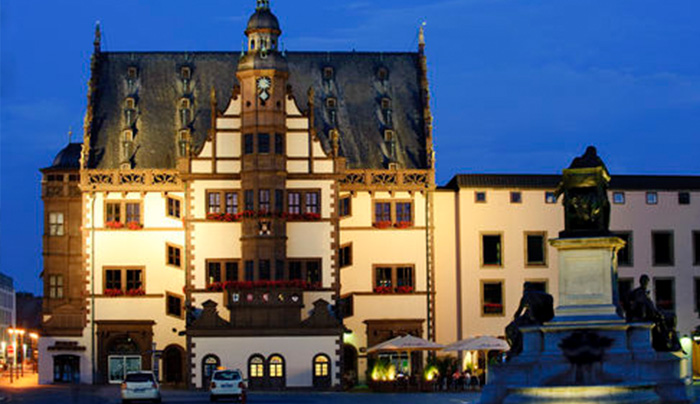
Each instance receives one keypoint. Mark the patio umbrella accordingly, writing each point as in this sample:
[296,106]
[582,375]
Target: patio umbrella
[406,343]
[483,343]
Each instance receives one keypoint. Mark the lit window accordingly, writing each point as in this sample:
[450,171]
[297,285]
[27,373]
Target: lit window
[619,198]
[56,286]
[276,366]
[56,224]
[480,197]
[257,367]
[321,366]
[492,298]
[652,198]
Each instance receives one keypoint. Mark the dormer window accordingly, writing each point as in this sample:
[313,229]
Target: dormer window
[382,74]
[328,73]
[130,103]
[386,103]
[131,73]
[331,103]
[184,142]
[185,112]
[127,141]
[389,136]
[127,136]
[184,103]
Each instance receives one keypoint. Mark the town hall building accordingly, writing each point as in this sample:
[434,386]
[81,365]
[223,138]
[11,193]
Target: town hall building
[277,212]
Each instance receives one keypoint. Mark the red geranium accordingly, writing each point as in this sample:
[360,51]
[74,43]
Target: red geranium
[134,226]
[114,225]
[135,292]
[404,289]
[384,224]
[403,225]
[114,292]
[382,290]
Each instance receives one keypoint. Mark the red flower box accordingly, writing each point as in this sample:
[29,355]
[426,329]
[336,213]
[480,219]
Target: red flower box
[311,216]
[134,226]
[382,225]
[114,292]
[114,225]
[403,225]
[135,292]
[215,287]
[383,290]
[243,285]
[404,289]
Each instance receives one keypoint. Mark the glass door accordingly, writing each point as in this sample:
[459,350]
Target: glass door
[120,365]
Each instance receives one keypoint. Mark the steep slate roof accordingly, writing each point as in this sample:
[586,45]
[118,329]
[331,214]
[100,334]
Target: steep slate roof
[355,86]
[537,181]
[67,158]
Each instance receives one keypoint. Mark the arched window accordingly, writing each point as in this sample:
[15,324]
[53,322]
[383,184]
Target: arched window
[321,366]
[276,365]
[256,366]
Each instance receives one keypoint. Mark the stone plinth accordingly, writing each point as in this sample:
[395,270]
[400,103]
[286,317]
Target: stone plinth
[587,279]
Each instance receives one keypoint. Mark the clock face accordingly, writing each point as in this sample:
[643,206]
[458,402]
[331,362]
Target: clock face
[264,83]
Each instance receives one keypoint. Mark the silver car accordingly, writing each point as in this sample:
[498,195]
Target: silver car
[140,386]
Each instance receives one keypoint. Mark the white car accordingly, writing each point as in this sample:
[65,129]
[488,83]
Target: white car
[227,384]
[140,386]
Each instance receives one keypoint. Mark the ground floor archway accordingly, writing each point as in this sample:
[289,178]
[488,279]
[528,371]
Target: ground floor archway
[174,365]
[66,369]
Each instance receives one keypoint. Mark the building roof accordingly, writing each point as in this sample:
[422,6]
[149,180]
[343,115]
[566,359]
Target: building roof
[538,181]
[355,84]
[68,158]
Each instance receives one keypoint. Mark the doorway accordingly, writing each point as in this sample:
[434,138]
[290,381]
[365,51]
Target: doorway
[66,369]
[173,365]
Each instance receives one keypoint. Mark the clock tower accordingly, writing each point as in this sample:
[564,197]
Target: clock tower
[262,74]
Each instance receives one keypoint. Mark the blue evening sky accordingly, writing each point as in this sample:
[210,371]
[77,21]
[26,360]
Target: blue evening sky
[518,86]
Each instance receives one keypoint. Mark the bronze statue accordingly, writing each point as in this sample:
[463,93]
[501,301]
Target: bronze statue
[535,308]
[640,308]
[586,205]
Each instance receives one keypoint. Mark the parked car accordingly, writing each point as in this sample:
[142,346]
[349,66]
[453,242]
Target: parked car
[140,386]
[227,384]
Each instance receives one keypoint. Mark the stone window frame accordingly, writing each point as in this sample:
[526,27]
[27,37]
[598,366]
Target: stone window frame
[123,276]
[621,201]
[344,263]
[482,283]
[483,265]
[56,286]
[478,197]
[122,209]
[168,296]
[302,200]
[516,197]
[223,273]
[176,212]
[652,198]
[347,198]
[392,210]
[629,246]
[175,252]
[672,248]
[56,228]
[545,250]
[223,207]
[394,275]
[304,268]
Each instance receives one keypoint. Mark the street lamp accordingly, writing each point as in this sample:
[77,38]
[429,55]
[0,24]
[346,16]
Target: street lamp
[34,347]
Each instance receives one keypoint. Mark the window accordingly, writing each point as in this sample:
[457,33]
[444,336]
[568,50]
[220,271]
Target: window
[248,146]
[665,294]
[321,366]
[174,255]
[345,206]
[491,250]
[249,271]
[264,273]
[492,298]
[279,200]
[174,207]
[264,200]
[263,143]
[536,249]
[480,197]
[56,286]
[173,305]
[131,73]
[386,103]
[308,270]
[294,205]
[684,198]
[276,366]
[279,143]
[382,212]
[249,199]
[185,73]
[382,74]
[550,198]
[662,248]
[619,198]
[56,224]
[624,255]
[394,279]
[516,197]
[55,177]
[279,270]
[118,281]
[123,213]
[696,248]
[403,213]
[74,178]
[213,202]
[539,286]
[231,202]
[328,73]
[652,198]
[345,256]
[312,204]
[256,366]
[331,103]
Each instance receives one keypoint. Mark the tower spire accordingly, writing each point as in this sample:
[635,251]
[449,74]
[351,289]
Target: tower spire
[98,38]
[421,37]
[263,5]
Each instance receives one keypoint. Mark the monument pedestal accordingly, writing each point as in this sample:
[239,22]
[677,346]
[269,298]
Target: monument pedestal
[630,370]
